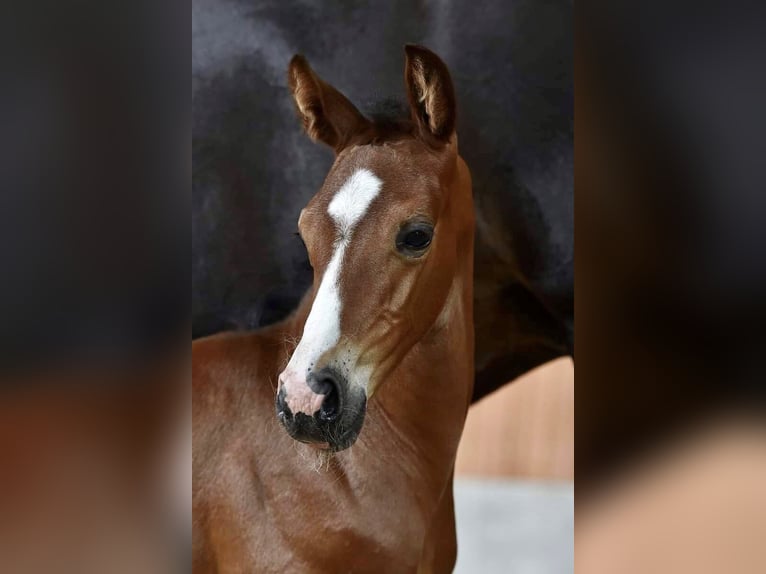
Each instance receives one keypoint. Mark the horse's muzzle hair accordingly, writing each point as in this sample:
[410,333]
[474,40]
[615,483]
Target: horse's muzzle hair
[338,420]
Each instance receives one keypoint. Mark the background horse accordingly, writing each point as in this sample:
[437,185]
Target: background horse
[389,321]
[253,169]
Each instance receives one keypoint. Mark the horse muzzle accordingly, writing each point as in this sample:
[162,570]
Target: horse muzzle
[320,409]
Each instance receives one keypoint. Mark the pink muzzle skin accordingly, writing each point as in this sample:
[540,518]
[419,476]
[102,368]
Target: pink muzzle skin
[298,395]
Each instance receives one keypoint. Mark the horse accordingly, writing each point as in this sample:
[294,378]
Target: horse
[516,103]
[371,377]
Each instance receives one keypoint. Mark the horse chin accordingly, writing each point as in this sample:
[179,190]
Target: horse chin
[337,445]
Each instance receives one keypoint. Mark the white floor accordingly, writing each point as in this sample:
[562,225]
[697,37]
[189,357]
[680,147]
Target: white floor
[514,527]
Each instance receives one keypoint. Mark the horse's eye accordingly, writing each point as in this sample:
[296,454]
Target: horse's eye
[417,239]
[414,238]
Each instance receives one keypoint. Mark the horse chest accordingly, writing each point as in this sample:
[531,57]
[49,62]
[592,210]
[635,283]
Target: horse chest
[311,531]
[325,526]
[291,518]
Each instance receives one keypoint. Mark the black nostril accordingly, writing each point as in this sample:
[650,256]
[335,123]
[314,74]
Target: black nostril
[328,383]
[330,405]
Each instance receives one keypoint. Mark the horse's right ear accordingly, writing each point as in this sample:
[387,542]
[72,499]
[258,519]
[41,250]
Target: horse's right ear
[328,116]
[430,93]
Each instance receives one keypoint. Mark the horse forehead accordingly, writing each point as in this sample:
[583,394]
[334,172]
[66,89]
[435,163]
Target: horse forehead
[361,174]
[350,203]
[393,162]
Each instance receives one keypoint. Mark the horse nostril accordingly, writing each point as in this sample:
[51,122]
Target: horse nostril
[330,408]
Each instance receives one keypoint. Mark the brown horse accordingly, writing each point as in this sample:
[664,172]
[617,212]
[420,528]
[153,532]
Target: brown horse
[385,336]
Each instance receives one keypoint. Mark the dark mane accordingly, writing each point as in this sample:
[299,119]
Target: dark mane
[388,111]
[391,119]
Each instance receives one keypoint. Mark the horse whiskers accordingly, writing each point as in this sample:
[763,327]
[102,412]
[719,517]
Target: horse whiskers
[290,342]
[324,459]
[316,460]
[312,458]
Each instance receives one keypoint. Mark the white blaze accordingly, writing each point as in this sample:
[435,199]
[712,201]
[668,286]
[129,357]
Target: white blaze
[322,329]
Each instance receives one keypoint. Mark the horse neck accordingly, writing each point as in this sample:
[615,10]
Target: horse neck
[416,417]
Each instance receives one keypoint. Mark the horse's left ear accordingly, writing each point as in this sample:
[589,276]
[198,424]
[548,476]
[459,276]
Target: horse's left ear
[327,115]
[430,93]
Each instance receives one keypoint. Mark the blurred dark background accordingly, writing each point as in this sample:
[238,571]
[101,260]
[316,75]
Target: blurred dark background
[94,278]
[94,200]
[671,287]
[671,204]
